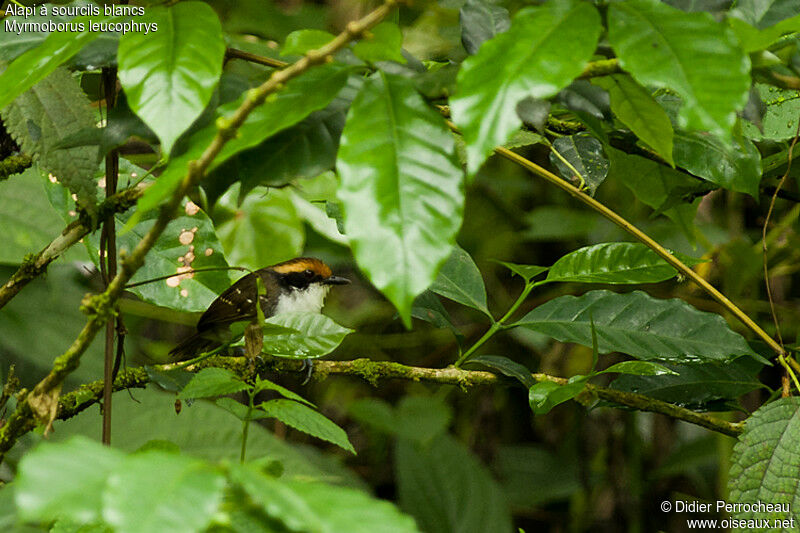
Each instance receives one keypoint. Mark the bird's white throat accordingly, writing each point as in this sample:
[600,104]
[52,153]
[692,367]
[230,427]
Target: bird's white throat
[309,300]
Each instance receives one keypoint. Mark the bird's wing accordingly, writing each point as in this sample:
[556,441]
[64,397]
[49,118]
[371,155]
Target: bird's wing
[235,304]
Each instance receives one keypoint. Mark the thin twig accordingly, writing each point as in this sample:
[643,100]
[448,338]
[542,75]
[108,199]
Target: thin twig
[233,53]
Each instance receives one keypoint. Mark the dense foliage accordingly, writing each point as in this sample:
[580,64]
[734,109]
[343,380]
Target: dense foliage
[437,153]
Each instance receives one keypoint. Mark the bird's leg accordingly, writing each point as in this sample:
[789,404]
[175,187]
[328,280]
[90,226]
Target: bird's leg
[308,368]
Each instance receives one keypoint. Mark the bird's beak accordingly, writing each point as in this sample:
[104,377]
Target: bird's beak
[336,280]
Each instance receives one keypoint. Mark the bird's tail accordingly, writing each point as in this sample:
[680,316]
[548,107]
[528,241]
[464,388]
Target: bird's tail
[192,347]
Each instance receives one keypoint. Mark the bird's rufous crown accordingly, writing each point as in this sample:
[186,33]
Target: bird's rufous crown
[303,263]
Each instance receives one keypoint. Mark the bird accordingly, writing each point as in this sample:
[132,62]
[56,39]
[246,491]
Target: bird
[297,285]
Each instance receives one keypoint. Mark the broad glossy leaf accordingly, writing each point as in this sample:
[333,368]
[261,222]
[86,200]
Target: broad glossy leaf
[35,64]
[736,167]
[507,366]
[211,382]
[697,384]
[638,325]
[653,185]
[301,41]
[783,111]
[188,242]
[155,490]
[313,506]
[446,488]
[545,395]
[584,99]
[480,21]
[429,308]
[708,70]
[764,13]
[318,335]
[615,262]
[545,49]
[301,96]
[64,480]
[461,281]
[585,154]
[169,75]
[639,368]
[765,462]
[265,229]
[752,39]
[384,44]
[303,418]
[526,272]
[635,107]
[53,109]
[401,188]
[523,138]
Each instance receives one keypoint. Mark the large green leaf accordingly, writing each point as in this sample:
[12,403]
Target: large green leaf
[314,506]
[447,489]
[401,190]
[384,44]
[614,262]
[155,490]
[306,419]
[765,462]
[708,70]
[310,92]
[169,75]
[51,110]
[764,13]
[783,111]
[461,281]
[35,64]
[263,230]
[638,325]
[737,168]
[654,185]
[64,480]
[696,384]
[317,335]
[635,107]
[545,49]
[211,382]
[480,21]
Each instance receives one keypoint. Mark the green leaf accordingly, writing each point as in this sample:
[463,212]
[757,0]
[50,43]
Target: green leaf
[554,223]
[211,382]
[28,220]
[301,41]
[585,154]
[309,92]
[635,107]
[154,490]
[169,75]
[765,462]
[753,39]
[303,418]
[709,71]
[522,138]
[764,13]
[53,109]
[638,325]
[447,489]
[401,188]
[615,262]
[780,120]
[385,44]
[239,410]
[639,368]
[653,185]
[37,63]
[736,167]
[188,242]
[526,272]
[507,367]
[545,49]
[265,384]
[545,395]
[697,384]
[417,418]
[480,21]
[461,281]
[429,308]
[318,335]
[64,480]
[314,506]
[263,230]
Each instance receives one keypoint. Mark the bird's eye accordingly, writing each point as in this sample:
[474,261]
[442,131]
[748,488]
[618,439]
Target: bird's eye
[308,273]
